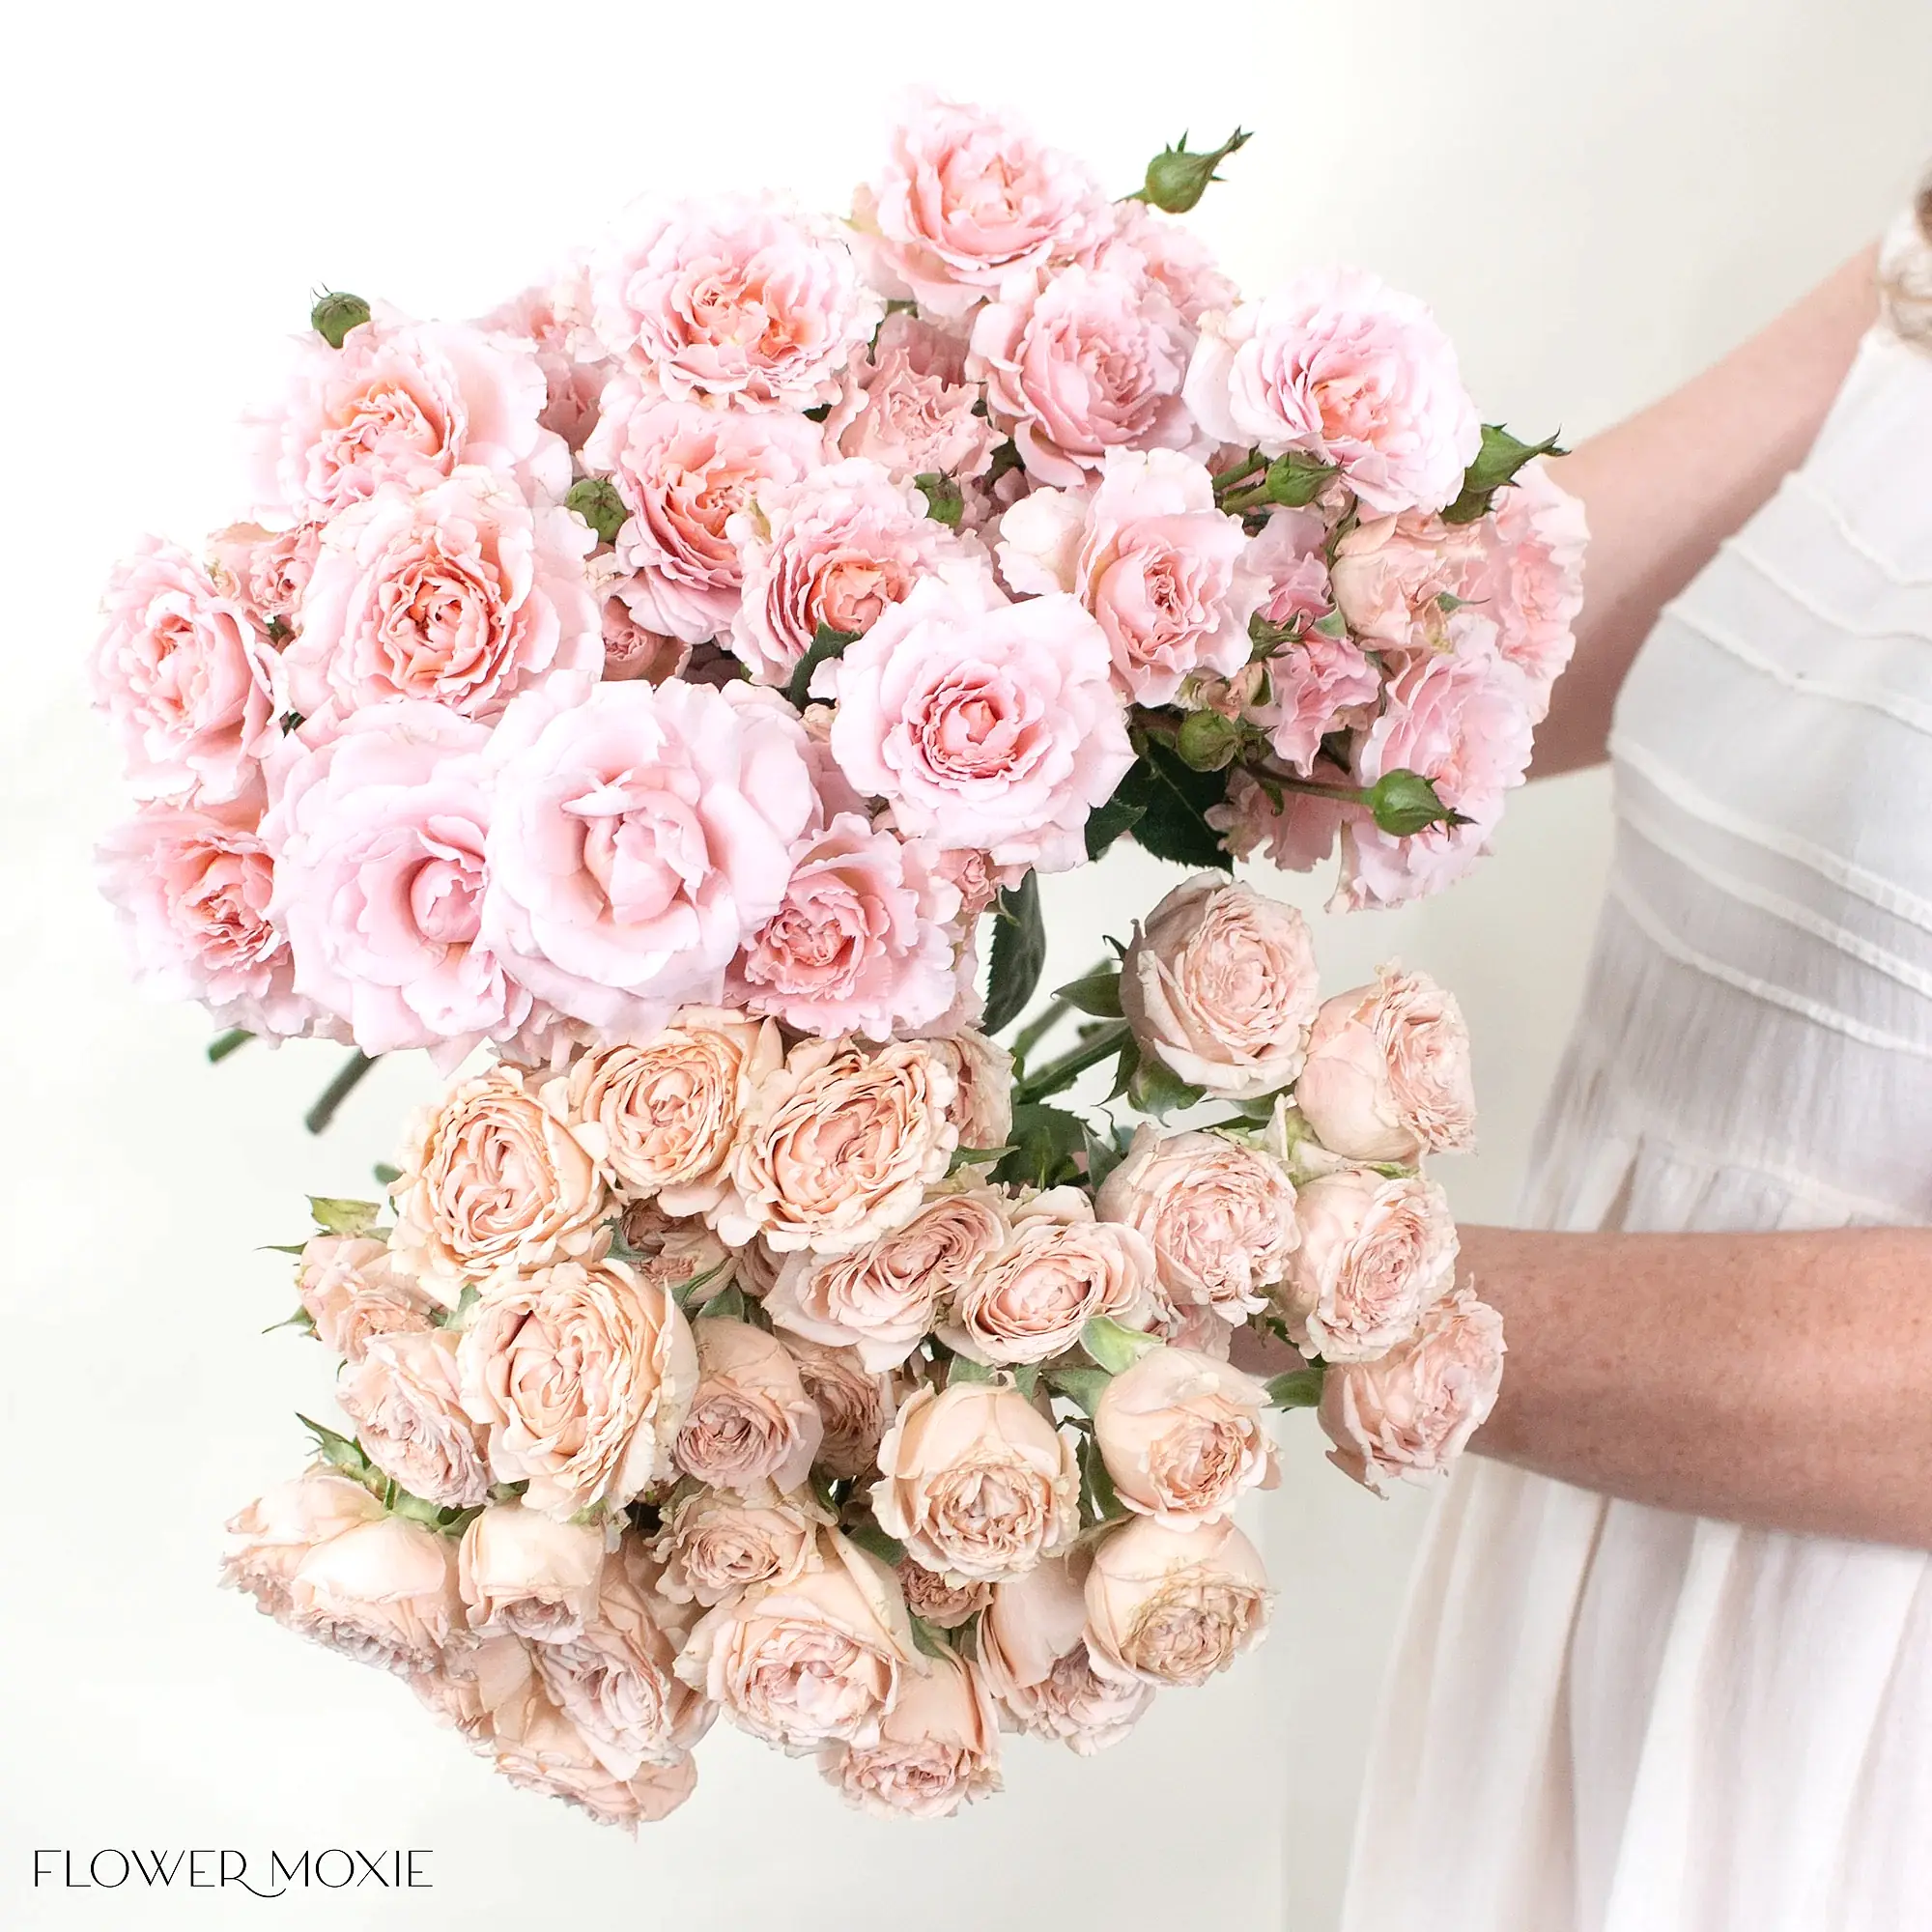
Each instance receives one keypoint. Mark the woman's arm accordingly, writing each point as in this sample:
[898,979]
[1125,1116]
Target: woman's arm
[1665,488]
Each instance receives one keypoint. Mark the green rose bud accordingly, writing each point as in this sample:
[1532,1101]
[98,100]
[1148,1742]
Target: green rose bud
[1208,741]
[1405,802]
[335,314]
[1177,179]
[943,503]
[596,500]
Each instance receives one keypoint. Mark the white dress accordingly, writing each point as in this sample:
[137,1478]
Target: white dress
[1608,1717]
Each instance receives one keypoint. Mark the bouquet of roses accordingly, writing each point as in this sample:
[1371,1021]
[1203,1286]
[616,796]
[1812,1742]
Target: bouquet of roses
[659,686]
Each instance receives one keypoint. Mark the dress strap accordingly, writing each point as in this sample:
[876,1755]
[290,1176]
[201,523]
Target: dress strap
[1905,271]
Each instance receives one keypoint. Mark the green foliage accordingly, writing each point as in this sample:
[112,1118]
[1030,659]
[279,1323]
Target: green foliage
[1099,993]
[1085,1387]
[1046,1141]
[1296,1388]
[1496,463]
[944,502]
[349,1218]
[1019,954]
[1171,803]
[1115,1348]
[826,643]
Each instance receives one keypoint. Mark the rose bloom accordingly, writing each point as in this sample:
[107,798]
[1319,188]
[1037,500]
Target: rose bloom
[581,1377]
[1162,570]
[934,1600]
[185,680]
[855,1403]
[382,1592]
[713,1545]
[1296,834]
[984,724]
[526,1574]
[1410,1413]
[864,942]
[1171,253]
[982,1101]
[1175,1605]
[938,1748]
[908,407]
[378,838]
[266,571]
[538,1747]
[626,610]
[404,1400]
[1290,552]
[495,1176]
[639,837]
[683,471]
[1056,1272]
[1218,1215]
[462,594]
[470,1683]
[553,319]
[821,1657]
[270,1540]
[976,1482]
[1183,1438]
[1080,361]
[749,1421]
[829,552]
[669,1107]
[193,889]
[405,402]
[737,300]
[353,1290]
[1220,985]
[1392,575]
[881,1298]
[1373,1254]
[840,1145]
[1529,576]
[1041,1668]
[1358,374]
[1315,685]
[965,198]
[1387,1076]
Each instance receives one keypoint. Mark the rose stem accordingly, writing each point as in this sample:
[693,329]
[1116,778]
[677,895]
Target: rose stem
[1063,1071]
[226,1043]
[338,1091]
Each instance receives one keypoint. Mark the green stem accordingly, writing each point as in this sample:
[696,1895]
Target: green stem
[1342,794]
[338,1090]
[226,1043]
[1226,482]
[1036,1028]
[1068,1068]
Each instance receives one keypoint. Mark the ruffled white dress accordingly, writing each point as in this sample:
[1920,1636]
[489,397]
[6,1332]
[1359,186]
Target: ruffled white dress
[1608,1717]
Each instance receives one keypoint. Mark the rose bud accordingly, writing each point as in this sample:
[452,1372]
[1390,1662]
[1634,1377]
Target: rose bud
[933,1600]
[751,1421]
[1175,1605]
[1373,1254]
[1183,1438]
[525,1573]
[938,1748]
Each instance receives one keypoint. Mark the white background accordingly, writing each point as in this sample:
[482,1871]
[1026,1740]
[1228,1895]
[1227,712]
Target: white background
[1598,197]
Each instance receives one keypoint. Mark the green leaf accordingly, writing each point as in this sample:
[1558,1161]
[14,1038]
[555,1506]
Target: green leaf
[301,1318]
[874,1540]
[1026,1379]
[976,1157]
[337,1216]
[964,1369]
[1045,1140]
[1107,822]
[1158,1090]
[1175,801]
[284,1247]
[1296,1388]
[385,1174]
[1334,625]
[1102,1157]
[944,502]
[1085,1386]
[1099,1500]
[826,644]
[1128,1066]
[340,1452]
[927,1638]
[1114,1348]
[1497,464]
[1019,954]
[821,1489]
[1405,803]
[1099,994]
[727,1305]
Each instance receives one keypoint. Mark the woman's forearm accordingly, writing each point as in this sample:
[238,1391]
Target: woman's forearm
[1783,1379]
[1664,487]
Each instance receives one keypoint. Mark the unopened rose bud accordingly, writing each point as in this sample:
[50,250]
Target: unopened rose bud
[596,500]
[944,502]
[1208,741]
[1177,179]
[1405,802]
[335,314]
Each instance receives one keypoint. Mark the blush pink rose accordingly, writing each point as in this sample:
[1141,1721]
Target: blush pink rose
[938,1748]
[270,1540]
[352,1290]
[1164,572]
[626,610]
[855,1403]
[1175,1605]
[1397,580]
[462,595]
[683,471]
[908,407]
[639,838]
[1290,552]
[738,300]
[1295,834]
[1185,1436]
[966,198]
[1171,254]
[864,942]
[1315,685]
[1373,1254]
[751,1422]
[409,403]
[378,835]
[184,680]
[554,318]
[1081,361]
[1358,374]
[266,571]
[403,1397]
[984,724]
[1529,576]
[193,890]
[830,552]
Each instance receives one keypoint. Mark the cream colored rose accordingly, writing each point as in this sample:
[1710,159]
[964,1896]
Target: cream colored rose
[751,1420]
[1183,1438]
[1387,1076]
[351,1289]
[270,1539]
[982,1106]
[580,1376]
[881,1298]
[538,1747]
[496,1178]
[976,1482]
[1410,1413]
[669,1109]
[1219,1218]
[525,1573]
[840,1145]
[1374,1253]
[931,1598]
[1175,1606]
[754,1268]
[938,1748]
[855,1403]
[1037,1662]
[382,1592]
[818,1658]
[405,1401]
[1058,1268]
[713,1545]
[1220,986]
[469,1683]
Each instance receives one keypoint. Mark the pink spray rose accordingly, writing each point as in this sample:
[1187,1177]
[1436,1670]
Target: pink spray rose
[1397,580]
[985,724]
[737,300]
[1171,253]
[1175,1605]
[1290,552]
[938,1748]
[353,1290]
[1358,374]
[266,571]
[382,1592]
[908,407]
[406,402]
[1185,1438]
[1373,1254]
[638,839]
[683,471]
[554,318]
[1295,832]
[403,1397]
[1529,577]
[968,197]
[1315,685]
[270,1540]
[1163,571]
[184,680]
[526,1573]
[626,610]
[749,1421]
[855,1403]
